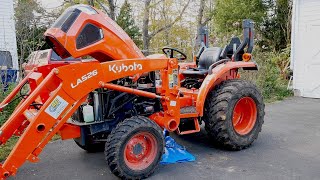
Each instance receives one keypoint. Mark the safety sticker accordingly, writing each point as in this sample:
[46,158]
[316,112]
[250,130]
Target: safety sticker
[56,107]
[173,78]
[173,103]
[171,83]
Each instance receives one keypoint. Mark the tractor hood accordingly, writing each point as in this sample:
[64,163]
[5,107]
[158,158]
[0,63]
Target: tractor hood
[84,31]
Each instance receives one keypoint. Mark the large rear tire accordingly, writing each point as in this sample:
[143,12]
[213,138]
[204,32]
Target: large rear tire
[134,148]
[234,114]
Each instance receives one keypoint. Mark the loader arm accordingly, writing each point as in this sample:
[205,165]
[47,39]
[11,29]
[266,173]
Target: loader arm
[60,90]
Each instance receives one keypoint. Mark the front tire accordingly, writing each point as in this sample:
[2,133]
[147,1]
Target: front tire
[234,114]
[134,148]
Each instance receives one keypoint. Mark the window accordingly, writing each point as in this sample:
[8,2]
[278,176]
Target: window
[89,35]
[55,57]
[67,19]
[29,58]
[70,15]
[43,55]
[5,59]
[41,58]
[85,8]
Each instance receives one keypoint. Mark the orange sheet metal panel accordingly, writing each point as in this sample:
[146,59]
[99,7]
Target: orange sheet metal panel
[69,131]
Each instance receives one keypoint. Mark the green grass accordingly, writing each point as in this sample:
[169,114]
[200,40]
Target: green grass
[4,115]
[55,137]
[6,149]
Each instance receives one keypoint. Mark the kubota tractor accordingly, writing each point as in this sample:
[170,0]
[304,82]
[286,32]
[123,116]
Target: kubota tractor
[122,100]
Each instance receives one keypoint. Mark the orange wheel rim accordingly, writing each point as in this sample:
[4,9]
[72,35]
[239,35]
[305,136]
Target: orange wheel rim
[244,115]
[140,151]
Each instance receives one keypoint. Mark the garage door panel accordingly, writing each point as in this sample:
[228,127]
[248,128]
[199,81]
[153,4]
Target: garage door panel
[306,47]
[311,52]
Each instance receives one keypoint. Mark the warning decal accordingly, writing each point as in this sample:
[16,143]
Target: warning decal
[171,81]
[56,107]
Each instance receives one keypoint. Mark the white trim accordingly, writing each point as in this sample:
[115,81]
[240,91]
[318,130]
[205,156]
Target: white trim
[294,33]
[294,24]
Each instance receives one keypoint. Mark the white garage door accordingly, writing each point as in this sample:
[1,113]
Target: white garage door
[306,48]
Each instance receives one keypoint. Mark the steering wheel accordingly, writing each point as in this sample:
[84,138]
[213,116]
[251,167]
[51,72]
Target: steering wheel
[170,52]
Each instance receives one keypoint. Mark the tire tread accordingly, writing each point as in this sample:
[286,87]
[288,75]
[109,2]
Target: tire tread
[215,115]
[116,138]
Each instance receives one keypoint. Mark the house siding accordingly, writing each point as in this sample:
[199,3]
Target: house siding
[7,30]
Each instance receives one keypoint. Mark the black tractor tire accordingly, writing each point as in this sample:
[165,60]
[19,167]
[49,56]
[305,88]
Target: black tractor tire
[130,136]
[221,123]
[91,147]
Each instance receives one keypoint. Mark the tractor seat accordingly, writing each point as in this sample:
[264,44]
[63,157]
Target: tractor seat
[207,58]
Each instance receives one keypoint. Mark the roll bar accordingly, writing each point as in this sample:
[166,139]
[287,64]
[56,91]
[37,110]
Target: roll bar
[248,38]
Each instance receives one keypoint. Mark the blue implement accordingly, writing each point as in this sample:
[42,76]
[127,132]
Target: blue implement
[175,153]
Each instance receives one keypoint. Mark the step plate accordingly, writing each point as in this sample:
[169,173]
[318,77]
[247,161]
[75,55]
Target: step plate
[188,110]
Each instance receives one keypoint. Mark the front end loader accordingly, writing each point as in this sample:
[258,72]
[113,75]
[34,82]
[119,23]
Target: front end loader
[121,101]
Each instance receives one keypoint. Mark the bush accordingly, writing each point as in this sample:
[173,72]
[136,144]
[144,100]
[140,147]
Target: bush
[272,77]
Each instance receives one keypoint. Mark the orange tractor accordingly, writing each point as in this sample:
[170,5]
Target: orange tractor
[121,101]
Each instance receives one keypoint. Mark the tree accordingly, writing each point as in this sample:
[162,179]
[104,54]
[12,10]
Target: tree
[29,18]
[112,9]
[126,22]
[277,28]
[228,15]
[90,2]
[109,7]
[146,34]
[204,15]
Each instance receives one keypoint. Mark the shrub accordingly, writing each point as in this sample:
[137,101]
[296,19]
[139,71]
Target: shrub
[272,75]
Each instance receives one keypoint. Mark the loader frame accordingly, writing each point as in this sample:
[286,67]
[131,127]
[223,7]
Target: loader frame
[61,90]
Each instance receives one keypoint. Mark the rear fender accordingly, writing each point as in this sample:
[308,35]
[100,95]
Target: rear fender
[219,74]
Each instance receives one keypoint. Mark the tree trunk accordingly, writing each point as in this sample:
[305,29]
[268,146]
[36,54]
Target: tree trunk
[200,13]
[71,2]
[145,28]
[90,2]
[112,8]
[166,19]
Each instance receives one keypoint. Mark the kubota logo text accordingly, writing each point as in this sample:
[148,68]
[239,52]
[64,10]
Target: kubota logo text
[84,78]
[124,68]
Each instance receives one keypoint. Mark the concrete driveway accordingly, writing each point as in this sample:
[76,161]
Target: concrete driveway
[287,148]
